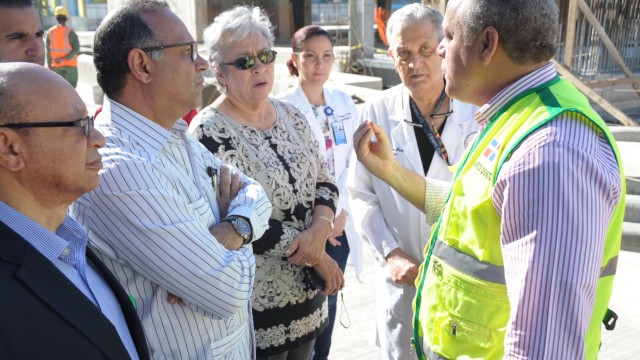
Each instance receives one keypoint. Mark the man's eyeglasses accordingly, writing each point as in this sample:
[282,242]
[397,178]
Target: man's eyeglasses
[86,123]
[193,44]
[411,123]
[246,62]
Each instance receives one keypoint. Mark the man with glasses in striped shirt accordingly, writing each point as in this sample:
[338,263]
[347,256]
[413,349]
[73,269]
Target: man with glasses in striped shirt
[168,217]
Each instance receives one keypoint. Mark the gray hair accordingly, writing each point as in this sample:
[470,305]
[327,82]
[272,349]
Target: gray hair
[414,14]
[528,29]
[121,31]
[233,25]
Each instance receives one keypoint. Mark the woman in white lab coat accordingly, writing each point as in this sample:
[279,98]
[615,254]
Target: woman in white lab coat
[333,117]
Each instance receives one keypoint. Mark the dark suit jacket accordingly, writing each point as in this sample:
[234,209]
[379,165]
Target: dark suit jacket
[44,316]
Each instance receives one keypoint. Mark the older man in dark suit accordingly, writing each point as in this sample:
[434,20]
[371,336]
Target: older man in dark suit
[57,300]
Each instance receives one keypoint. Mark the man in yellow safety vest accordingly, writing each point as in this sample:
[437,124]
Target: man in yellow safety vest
[63,47]
[521,260]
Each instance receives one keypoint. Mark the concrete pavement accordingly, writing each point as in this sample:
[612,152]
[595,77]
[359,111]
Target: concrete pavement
[622,343]
[357,341]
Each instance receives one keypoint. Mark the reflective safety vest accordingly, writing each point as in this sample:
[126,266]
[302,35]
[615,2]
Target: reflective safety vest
[59,46]
[461,306]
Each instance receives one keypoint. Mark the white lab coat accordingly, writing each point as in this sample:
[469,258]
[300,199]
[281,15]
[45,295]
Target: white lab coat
[344,111]
[387,221]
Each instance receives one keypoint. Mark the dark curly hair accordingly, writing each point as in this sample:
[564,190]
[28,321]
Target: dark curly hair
[120,32]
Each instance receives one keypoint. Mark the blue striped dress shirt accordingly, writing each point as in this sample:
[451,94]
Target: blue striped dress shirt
[149,220]
[66,251]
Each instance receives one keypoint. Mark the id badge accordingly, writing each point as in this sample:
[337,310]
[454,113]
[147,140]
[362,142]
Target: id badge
[338,133]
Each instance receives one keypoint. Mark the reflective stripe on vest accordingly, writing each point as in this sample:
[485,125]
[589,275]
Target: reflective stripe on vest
[487,271]
[59,46]
[610,268]
[433,356]
[461,305]
[468,264]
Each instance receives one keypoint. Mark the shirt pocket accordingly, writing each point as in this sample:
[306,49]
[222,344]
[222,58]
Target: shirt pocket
[202,209]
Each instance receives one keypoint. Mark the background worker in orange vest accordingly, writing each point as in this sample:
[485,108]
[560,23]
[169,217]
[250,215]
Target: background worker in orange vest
[63,47]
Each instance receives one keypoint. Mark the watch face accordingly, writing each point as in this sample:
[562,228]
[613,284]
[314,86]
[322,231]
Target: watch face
[242,227]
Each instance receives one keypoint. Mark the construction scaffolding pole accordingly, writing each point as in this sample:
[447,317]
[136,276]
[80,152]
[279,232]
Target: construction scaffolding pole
[570,38]
[593,96]
[591,18]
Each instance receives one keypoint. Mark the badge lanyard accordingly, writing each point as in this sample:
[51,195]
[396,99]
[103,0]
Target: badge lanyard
[433,135]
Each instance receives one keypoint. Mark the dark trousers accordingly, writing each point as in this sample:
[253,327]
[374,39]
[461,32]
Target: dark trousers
[323,341]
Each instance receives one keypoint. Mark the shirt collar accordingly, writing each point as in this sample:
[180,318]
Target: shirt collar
[529,81]
[137,127]
[44,241]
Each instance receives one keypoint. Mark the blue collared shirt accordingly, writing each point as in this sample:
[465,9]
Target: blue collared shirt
[66,250]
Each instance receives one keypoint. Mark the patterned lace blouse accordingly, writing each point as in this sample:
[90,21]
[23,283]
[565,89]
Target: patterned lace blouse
[286,161]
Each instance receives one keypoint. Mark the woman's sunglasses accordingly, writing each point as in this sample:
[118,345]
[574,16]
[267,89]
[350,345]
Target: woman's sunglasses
[247,62]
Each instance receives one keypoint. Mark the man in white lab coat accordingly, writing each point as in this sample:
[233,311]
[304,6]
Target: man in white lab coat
[428,132]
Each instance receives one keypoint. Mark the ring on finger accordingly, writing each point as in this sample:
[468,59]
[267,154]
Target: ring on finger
[308,264]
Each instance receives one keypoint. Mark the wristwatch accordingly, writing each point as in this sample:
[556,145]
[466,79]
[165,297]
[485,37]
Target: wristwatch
[242,227]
